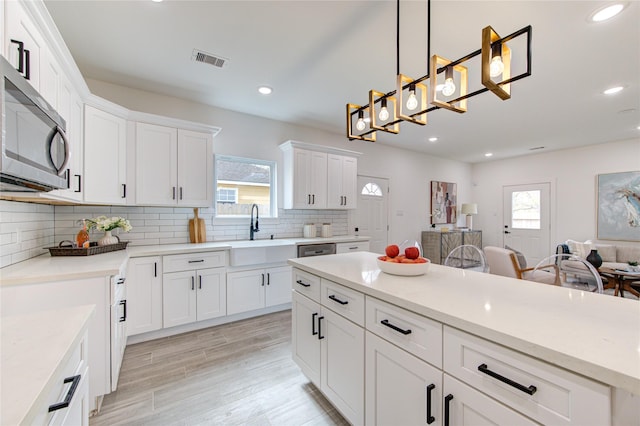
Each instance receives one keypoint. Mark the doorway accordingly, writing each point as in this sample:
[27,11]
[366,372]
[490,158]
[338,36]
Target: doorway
[371,217]
[527,226]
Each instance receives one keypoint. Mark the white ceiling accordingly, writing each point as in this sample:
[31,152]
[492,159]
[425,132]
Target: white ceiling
[320,55]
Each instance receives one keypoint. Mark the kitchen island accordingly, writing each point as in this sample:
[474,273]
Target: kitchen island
[590,335]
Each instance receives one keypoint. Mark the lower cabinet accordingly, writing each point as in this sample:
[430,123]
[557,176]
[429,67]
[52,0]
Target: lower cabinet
[144,294]
[258,288]
[190,296]
[401,389]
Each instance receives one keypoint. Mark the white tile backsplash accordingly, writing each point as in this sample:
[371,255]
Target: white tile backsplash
[26,229]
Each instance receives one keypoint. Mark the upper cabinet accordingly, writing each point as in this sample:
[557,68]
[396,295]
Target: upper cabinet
[105,172]
[23,42]
[173,166]
[319,177]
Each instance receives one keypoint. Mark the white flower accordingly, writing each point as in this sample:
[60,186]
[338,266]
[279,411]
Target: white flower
[104,223]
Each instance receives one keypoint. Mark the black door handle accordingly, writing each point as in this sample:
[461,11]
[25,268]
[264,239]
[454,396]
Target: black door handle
[320,336]
[430,418]
[530,390]
[303,284]
[123,318]
[507,232]
[335,299]
[394,327]
[75,380]
[313,324]
[447,400]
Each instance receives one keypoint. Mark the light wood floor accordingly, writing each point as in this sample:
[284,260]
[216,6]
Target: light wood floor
[232,374]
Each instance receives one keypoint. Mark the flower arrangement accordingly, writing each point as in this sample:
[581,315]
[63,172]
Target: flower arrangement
[103,223]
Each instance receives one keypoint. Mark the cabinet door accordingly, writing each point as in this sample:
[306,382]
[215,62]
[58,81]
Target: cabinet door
[350,182]
[156,165]
[401,389]
[77,413]
[49,78]
[195,169]
[335,195]
[245,291]
[305,344]
[19,27]
[104,157]
[144,295]
[318,180]
[212,293]
[278,286]
[301,179]
[467,406]
[178,298]
[342,365]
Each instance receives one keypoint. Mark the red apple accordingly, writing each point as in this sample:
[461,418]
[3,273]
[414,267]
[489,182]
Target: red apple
[392,250]
[412,252]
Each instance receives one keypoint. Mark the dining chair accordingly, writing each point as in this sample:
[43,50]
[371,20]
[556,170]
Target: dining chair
[502,261]
[467,256]
[590,281]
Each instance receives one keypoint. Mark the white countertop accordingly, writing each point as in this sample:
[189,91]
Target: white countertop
[34,348]
[595,335]
[46,268]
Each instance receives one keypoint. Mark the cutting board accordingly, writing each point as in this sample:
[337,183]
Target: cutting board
[197,230]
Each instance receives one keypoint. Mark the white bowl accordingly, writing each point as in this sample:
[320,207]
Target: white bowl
[404,269]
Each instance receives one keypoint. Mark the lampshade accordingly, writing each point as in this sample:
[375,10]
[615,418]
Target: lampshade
[469,209]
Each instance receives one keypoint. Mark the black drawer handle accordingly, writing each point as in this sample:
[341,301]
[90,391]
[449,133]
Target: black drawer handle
[123,318]
[396,328]
[528,390]
[75,380]
[313,324]
[335,299]
[196,261]
[303,284]
[447,400]
[430,418]
[320,336]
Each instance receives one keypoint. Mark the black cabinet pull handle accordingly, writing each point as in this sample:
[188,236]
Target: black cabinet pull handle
[79,183]
[174,193]
[394,327]
[196,261]
[123,318]
[193,283]
[308,198]
[530,390]
[200,281]
[181,193]
[303,284]
[313,198]
[335,299]
[121,281]
[268,278]
[320,336]
[124,190]
[20,44]
[75,380]
[27,64]
[155,269]
[68,172]
[447,400]
[430,418]
[313,324]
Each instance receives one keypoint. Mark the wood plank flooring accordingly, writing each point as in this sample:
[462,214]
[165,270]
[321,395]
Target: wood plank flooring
[233,374]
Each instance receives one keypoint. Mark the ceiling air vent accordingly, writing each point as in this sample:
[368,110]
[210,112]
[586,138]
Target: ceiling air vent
[206,58]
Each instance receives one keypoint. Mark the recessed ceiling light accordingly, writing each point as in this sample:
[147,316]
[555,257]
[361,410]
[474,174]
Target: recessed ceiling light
[265,90]
[488,154]
[638,127]
[156,1]
[433,139]
[607,12]
[613,90]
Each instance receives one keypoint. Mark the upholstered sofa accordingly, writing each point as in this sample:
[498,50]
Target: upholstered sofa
[613,256]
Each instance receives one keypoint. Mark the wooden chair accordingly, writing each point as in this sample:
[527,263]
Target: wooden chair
[504,262]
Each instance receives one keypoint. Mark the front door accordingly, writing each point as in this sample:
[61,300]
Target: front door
[527,220]
[371,217]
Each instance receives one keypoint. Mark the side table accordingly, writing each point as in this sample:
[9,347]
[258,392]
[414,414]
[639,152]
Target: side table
[437,245]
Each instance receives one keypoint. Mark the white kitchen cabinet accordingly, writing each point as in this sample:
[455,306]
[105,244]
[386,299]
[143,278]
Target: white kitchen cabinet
[400,388]
[305,342]
[105,172]
[352,247]
[258,288]
[190,296]
[23,42]
[144,294]
[342,180]
[173,166]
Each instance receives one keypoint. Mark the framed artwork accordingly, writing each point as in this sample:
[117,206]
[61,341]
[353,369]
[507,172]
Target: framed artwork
[444,201]
[619,206]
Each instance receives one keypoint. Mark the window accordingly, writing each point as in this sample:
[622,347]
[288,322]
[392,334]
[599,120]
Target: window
[243,182]
[525,210]
[372,189]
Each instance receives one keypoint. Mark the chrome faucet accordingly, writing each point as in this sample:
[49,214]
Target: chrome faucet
[253,229]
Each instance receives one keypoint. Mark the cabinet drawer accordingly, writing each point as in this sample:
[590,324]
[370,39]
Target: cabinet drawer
[307,284]
[186,262]
[545,393]
[342,300]
[414,333]
[351,247]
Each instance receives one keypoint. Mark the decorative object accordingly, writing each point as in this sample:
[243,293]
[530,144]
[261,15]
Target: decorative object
[108,224]
[619,206]
[444,197]
[469,210]
[404,269]
[66,248]
[385,111]
[594,259]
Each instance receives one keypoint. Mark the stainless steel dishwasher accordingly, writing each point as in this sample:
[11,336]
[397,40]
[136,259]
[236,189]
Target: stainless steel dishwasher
[316,249]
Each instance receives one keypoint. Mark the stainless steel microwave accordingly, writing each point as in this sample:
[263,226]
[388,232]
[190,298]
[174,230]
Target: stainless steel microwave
[35,150]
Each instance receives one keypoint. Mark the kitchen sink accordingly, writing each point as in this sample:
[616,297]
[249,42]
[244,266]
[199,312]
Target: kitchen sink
[256,252]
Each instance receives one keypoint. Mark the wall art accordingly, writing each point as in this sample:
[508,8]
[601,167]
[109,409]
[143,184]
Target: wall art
[619,206]
[444,201]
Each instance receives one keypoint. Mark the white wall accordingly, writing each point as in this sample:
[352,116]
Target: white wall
[409,173]
[572,174]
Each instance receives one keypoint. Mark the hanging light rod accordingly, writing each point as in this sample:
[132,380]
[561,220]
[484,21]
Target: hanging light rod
[386,111]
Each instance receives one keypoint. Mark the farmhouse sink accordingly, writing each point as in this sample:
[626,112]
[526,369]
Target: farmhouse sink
[257,252]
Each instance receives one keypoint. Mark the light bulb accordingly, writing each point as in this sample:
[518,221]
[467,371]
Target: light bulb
[412,101]
[449,87]
[360,124]
[496,67]
[384,114]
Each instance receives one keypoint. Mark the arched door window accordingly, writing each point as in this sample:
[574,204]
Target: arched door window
[371,189]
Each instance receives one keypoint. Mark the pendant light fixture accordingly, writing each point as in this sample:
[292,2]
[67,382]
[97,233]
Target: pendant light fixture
[444,87]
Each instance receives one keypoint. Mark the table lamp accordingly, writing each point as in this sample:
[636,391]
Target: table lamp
[469,210]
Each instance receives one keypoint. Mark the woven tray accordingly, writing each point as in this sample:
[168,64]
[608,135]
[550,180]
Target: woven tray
[93,248]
